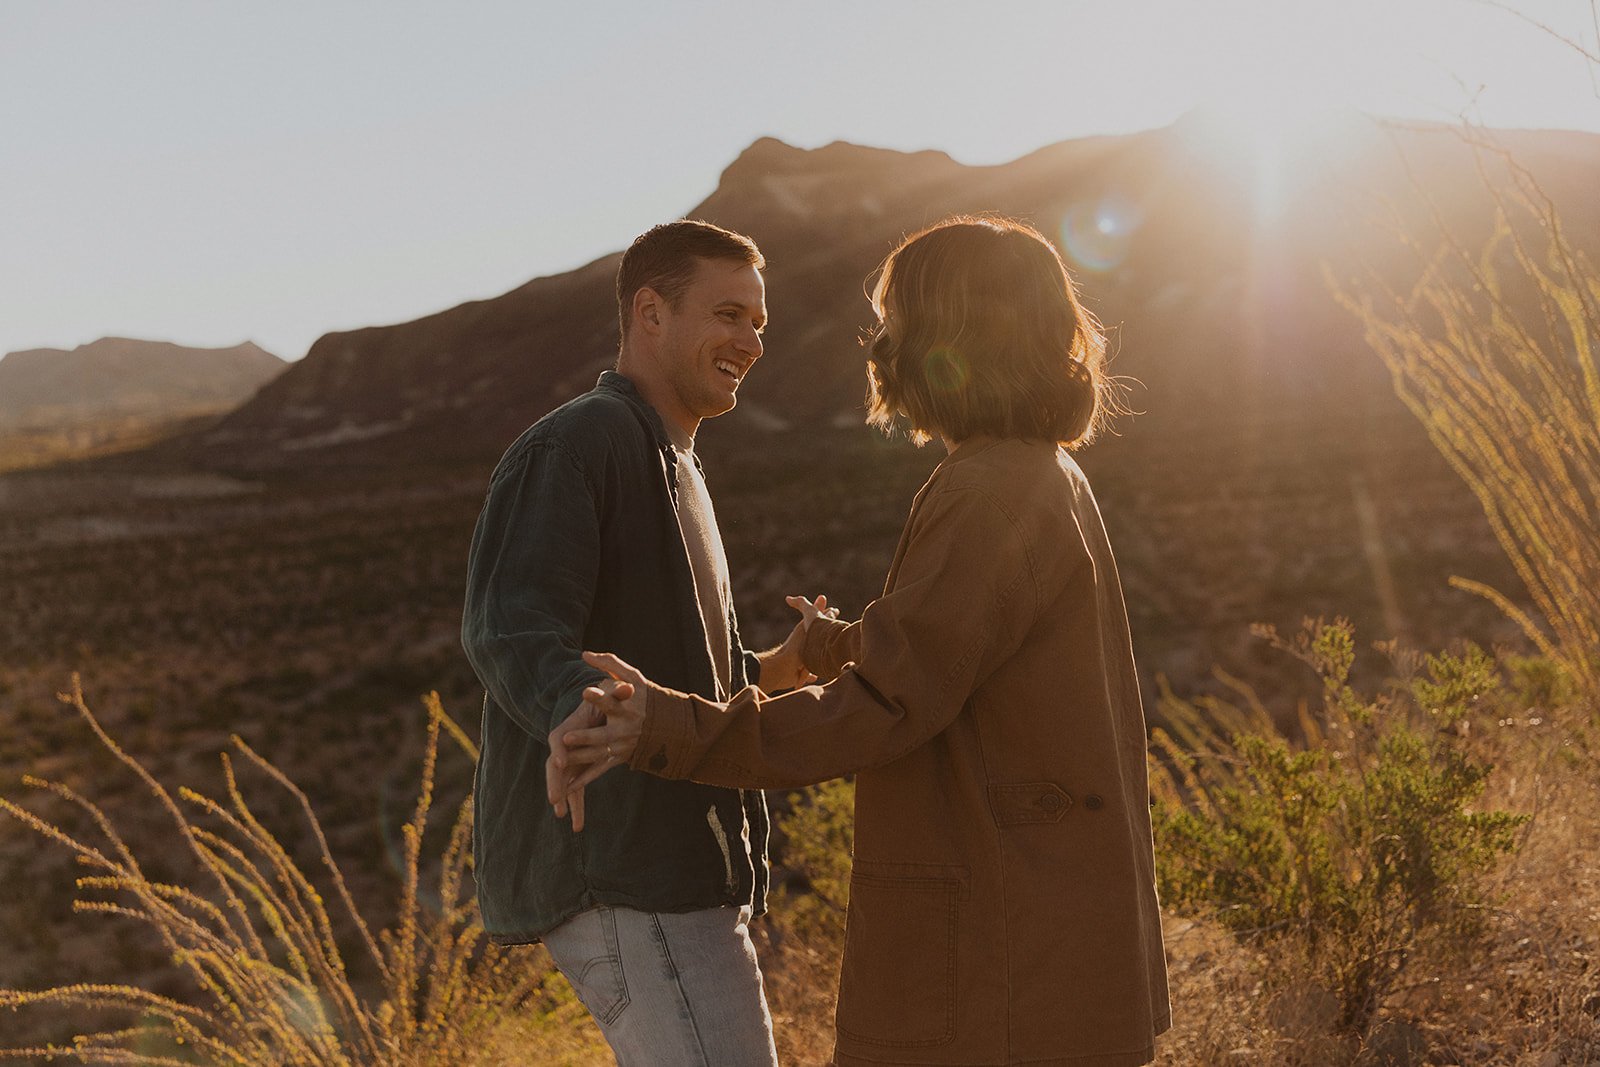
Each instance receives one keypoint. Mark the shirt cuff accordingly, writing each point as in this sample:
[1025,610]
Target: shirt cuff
[662,737]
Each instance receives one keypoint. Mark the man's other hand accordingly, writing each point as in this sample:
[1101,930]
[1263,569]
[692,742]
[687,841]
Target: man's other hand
[784,667]
[810,611]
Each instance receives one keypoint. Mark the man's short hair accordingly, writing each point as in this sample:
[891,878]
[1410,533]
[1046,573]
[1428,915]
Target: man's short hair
[985,335]
[664,258]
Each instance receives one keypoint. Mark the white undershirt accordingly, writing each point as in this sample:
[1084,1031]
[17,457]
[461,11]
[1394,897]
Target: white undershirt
[697,520]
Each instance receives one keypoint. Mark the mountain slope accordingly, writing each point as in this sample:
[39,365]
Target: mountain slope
[1216,304]
[118,378]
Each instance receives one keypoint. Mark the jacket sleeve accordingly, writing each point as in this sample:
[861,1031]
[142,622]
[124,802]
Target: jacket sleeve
[530,587]
[830,644]
[951,618]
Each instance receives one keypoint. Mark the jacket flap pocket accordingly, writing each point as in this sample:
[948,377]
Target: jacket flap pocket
[1028,802]
[877,870]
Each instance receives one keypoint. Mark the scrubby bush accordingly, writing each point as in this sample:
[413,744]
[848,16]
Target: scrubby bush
[1349,844]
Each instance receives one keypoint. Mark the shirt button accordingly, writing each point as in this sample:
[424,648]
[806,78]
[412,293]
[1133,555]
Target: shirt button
[1050,802]
[1093,802]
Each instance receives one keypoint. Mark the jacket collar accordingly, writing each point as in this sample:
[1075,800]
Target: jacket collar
[616,382]
[972,446]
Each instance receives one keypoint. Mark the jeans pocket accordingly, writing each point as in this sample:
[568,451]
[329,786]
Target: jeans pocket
[585,949]
[897,986]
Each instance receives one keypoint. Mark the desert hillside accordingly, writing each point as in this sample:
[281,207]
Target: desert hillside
[118,377]
[118,394]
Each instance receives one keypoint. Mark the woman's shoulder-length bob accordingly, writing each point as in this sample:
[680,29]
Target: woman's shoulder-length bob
[981,333]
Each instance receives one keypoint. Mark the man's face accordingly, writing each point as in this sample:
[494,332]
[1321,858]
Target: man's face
[712,338]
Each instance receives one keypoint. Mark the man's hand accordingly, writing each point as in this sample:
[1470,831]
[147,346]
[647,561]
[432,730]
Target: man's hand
[784,667]
[600,735]
[810,611]
[561,797]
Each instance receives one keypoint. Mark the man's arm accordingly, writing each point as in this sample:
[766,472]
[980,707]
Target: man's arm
[530,587]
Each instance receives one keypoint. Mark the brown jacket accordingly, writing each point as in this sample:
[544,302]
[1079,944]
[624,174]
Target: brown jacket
[1002,901]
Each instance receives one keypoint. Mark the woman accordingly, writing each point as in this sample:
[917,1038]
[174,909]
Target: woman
[1002,900]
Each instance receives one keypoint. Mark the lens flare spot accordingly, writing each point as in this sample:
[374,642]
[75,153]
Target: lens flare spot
[1097,234]
[946,370]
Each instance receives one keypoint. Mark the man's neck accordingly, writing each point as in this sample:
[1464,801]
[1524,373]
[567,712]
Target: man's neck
[632,367]
[677,434]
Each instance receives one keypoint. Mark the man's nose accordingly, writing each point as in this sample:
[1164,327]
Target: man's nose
[750,342]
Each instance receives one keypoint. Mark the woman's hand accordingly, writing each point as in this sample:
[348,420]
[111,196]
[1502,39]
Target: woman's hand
[601,734]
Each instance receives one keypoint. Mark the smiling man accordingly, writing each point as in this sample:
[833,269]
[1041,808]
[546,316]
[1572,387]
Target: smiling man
[598,532]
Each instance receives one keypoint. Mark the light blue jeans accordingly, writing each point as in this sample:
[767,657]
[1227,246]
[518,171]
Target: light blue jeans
[669,989]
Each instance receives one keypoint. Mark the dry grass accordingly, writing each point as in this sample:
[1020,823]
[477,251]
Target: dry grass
[1496,350]
[281,963]
[802,980]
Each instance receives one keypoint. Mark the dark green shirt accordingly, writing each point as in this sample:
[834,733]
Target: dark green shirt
[578,547]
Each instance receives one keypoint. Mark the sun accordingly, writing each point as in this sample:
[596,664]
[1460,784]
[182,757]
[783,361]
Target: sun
[1266,116]
[1271,151]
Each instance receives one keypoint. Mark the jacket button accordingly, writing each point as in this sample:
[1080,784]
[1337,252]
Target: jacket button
[1050,802]
[1093,802]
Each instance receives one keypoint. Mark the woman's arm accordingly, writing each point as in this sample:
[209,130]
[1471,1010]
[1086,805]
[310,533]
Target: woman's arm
[830,644]
[952,616]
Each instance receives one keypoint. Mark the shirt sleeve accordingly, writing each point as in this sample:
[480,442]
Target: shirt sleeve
[530,587]
[752,665]
[952,617]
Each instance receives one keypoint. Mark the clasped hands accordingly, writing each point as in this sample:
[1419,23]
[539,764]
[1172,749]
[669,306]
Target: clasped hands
[604,730]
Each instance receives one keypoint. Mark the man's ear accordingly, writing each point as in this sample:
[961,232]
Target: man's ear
[648,309]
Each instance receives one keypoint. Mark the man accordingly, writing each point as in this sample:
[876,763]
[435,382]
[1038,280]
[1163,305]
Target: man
[598,532]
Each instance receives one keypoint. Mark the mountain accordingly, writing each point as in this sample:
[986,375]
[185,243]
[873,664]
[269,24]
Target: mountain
[1221,310]
[1271,473]
[117,379]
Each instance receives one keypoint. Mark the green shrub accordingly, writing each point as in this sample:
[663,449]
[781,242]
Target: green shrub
[819,838]
[1539,682]
[1349,846]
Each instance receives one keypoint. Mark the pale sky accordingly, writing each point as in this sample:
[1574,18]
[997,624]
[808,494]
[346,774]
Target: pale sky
[208,173]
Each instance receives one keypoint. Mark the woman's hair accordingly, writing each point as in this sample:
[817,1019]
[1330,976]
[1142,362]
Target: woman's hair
[981,332]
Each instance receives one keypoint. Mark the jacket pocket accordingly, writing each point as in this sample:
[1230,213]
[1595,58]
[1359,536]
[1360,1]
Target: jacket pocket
[1022,803]
[897,986]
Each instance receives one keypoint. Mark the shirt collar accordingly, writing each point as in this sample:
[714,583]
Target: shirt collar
[616,382]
